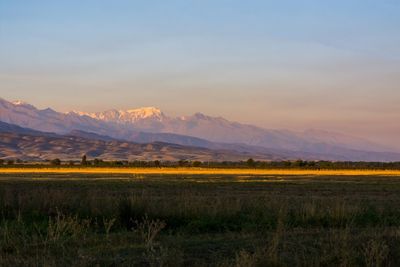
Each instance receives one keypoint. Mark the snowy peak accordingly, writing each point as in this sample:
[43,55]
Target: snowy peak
[20,103]
[146,112]
[127,116]
[141,114]
[16,104]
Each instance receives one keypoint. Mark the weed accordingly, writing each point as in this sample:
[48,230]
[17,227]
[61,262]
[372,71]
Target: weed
[375,253]
[149,229]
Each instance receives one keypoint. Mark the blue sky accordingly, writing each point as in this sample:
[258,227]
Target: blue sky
[278,64]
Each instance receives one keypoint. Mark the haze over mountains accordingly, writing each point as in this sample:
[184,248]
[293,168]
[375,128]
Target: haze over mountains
[26,144]
[148,125]
[218,129]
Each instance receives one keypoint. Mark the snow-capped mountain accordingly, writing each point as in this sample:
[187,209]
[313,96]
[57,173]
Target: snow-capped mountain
[128,116]
[217,129]
[148,118]
[48,120]
[151,124]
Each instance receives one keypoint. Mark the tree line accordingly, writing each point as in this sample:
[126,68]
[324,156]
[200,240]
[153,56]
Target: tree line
[250,163]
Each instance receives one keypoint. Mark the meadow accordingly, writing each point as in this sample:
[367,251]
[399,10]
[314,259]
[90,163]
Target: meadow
[199,217]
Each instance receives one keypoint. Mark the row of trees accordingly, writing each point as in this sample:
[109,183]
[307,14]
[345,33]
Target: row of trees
[10,161]
[250,163]
[99,162]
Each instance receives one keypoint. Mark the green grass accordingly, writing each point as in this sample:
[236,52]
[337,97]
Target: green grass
[167,220]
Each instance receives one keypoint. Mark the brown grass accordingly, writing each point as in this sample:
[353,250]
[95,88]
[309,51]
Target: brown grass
[202,171]
[198,220]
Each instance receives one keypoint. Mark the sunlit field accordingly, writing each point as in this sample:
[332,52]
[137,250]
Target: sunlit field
[201,171]
[198,217]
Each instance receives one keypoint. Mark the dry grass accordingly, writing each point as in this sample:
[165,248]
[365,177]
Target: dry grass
[202,171]
[175,220]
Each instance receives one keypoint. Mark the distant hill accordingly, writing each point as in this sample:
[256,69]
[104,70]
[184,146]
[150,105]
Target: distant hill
[27,144]
[220,130]
[149,125]
[12,128]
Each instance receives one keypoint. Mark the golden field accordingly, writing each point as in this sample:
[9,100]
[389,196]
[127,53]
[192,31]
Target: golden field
[200,171]
[99,216]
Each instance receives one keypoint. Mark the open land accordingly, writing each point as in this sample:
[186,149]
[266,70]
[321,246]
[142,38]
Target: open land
[198,217]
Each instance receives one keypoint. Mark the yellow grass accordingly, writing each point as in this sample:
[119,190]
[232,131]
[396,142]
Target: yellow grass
[204,171]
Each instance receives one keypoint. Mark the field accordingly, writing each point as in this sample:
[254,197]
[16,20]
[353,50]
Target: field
[199,217]
[199,171]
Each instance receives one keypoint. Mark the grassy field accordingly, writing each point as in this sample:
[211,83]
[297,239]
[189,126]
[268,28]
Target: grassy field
[182,217]
[199,171]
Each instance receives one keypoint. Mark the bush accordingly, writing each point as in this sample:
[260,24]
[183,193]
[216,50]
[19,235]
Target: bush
[55,162]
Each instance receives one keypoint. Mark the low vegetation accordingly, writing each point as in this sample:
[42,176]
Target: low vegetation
[249,164]
[195,171]
[64,219]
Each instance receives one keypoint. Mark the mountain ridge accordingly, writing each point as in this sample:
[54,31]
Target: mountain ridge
[199,130]
[26,144]
[199,125]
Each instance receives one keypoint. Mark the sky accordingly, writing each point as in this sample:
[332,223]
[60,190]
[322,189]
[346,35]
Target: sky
[299,64]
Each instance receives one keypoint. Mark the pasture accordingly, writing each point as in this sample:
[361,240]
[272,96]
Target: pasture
[200,217]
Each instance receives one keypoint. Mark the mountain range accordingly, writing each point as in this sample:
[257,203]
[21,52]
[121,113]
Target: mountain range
[151,126]
[27,144]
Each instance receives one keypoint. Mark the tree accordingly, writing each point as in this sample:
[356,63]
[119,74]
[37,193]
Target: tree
[157,163]
[10,162]
[298,163]
[96,162]
[84,160]
[182,163]
[55,162]
[196,164]
[1,161]
[251,163]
